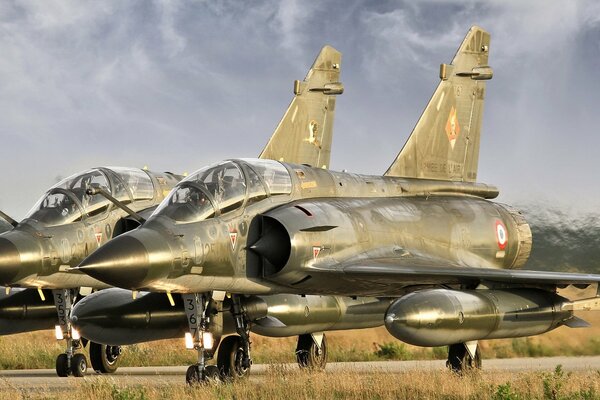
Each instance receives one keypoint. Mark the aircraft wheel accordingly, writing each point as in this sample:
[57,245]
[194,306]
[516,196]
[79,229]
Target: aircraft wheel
[309,355]
[459,359]
[230,357]
[62,365]
[104,359]
[78,365]
[192,375]
[212,374]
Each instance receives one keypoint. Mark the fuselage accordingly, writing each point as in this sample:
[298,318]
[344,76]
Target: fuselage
[287,220]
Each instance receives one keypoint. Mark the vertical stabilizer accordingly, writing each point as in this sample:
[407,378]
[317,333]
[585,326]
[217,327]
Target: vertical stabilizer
[304,134]
[445,142]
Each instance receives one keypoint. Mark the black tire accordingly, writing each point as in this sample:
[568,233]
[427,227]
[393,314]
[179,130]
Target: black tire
[62,365]
[212,373]
[459,359]
[192,375]
[78,365]
[230,357]
[308,354]
[104,359]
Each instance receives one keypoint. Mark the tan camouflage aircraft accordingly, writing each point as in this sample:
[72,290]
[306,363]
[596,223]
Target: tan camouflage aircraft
[84,211]
[286,249]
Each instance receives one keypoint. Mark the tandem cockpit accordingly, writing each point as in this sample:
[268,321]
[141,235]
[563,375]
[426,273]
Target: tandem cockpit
[68,201]
[225,187]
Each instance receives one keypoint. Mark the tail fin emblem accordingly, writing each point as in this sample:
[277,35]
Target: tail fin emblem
[313,131]
[452,127]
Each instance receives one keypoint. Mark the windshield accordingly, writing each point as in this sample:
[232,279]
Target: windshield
[187,203]
[56,209]
[224,182]
[59,204]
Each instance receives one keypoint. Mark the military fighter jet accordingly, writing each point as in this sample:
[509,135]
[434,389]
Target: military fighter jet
[84,211]
[243,240]
[62,228]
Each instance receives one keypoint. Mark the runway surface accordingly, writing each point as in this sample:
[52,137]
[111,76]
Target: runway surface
[46,379]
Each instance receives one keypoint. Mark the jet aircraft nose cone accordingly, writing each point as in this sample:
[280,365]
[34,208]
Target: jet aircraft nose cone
[123,261]
[131,261]
[10,261]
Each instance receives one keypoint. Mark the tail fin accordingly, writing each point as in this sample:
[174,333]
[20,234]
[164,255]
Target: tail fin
[305,132]
[445,142]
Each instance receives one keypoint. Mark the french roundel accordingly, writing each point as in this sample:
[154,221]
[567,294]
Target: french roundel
[501,235]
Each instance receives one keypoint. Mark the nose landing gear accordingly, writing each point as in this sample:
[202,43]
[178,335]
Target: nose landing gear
[198,313]
[68,362]
[233,359]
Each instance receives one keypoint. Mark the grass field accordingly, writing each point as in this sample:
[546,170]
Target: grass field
[294,384]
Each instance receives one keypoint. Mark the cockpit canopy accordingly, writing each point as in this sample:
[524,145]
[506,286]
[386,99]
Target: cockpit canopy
[68,202]
[224,187]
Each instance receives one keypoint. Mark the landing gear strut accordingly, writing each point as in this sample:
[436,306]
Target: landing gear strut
[68,362]
[311,351]
[199,314]
[204,318]
[463,357]
[241,348]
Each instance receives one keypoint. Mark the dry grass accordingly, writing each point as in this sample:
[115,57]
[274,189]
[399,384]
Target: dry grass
[294,384]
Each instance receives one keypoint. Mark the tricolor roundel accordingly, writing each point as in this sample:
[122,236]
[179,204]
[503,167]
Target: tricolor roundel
[501,234]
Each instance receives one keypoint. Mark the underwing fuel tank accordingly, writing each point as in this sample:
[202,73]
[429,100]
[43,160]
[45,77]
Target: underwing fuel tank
[113,317]
[23,310]
[439,317]
[290,315]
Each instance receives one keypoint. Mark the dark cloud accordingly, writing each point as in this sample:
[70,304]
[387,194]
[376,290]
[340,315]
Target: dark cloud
[178,84]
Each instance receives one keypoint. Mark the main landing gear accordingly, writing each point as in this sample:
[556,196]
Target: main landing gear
[230,359]
[463,357]
[233,360]
[311,351]
[104,358]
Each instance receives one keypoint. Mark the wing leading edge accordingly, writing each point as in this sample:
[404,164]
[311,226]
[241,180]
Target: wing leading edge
[391,277]
[392,272]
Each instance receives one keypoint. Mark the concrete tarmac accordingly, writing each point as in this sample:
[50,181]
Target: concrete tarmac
[46,379]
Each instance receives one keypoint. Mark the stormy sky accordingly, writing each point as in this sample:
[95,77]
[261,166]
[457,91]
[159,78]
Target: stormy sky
[175,85]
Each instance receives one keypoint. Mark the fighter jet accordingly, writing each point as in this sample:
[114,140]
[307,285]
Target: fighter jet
[240,240]
[84,211]
[62,228]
